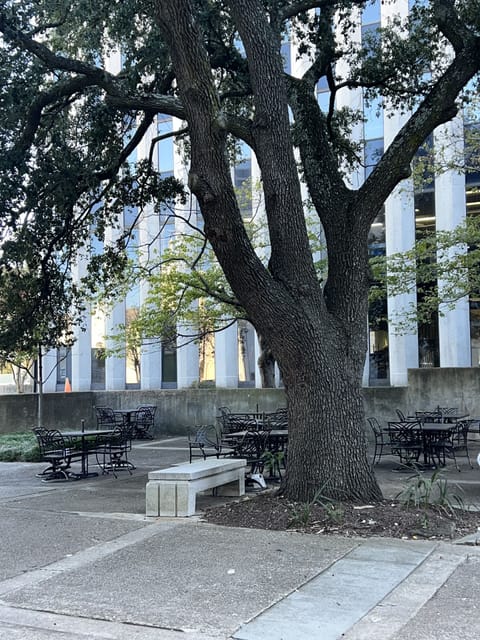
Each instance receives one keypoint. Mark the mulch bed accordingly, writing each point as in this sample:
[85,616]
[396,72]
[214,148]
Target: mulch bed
[388,518]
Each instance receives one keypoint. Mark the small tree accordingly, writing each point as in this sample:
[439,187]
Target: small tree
[35,311]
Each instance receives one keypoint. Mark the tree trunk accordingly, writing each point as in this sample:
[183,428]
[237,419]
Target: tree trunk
[327,450]
[316,334]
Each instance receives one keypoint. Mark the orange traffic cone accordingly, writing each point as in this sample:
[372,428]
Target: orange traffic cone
[68,386]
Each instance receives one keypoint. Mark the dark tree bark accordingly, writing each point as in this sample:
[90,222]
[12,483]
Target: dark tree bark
[320,354]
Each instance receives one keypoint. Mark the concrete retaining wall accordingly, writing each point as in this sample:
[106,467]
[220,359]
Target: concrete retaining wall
[178,409]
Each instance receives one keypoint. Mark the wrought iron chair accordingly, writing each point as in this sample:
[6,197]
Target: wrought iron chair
[254,448]
[107,418]
[203,442]
[452,443]
[144,421]
[277,420]
[380,438]
[112,450]
[401,415]
[448,413]
[406,440]
[59,452]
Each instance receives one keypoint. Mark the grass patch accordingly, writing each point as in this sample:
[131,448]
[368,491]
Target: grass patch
[19,447]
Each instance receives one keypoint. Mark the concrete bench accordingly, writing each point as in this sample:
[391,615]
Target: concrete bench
[173,491]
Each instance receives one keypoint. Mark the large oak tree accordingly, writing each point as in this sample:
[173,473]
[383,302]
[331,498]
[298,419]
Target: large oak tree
[67,128]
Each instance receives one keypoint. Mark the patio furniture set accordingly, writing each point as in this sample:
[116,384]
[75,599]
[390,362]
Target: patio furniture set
[259,438]
[427,438]
[110,443]
[230,456]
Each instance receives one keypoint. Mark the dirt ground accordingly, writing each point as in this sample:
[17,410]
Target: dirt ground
[268,510]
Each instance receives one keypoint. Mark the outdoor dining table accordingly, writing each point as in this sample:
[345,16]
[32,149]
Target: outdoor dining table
[439,417]
[127,413]
[83,435]
[429,433]
[277,440]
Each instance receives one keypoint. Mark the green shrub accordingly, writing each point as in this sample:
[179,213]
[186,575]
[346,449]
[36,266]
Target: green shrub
[19,447]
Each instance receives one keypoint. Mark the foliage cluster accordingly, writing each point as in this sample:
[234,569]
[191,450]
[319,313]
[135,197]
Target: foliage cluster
[19,447]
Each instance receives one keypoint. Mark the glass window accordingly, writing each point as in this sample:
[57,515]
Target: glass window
[377,313]
[428,341]
[373,152]
[169,364]
[371,12]
[286,55]
[472,155]
[98,350]
[373,113]
[64,364]
[132,350]
[242,174]
[165,146]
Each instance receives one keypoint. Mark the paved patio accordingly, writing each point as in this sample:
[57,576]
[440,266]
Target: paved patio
[80,560]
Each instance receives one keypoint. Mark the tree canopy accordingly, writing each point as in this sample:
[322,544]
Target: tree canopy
[72,118]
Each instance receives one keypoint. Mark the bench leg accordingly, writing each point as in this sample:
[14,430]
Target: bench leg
[236,488]
[152,499]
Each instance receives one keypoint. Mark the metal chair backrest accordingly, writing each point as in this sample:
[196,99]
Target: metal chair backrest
[105,417]
[253,446]
[54,441]
[375,426]
[232,423]
[145,415]
[40,433]
[401,415]
[151,408]
[276,420]
[405,432]
[204,435]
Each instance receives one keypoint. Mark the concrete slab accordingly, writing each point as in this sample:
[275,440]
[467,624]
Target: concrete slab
[21,624]
[328,605]
[390,615]
[453,612]
[189,576]
[33,539]
[79,560]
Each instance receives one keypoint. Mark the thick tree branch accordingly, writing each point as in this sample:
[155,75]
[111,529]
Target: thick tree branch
[450,24]
[59,90]
[210,175]
[271,128]
[54,61]
[438,106]
[301,7]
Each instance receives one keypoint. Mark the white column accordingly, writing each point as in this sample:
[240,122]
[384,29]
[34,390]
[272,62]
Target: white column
[226,357]
[82,347]
[351,98]
[187,361]
[49,366]
[151,350]
[450,211]
[115,369]
[149,253]
[400,236]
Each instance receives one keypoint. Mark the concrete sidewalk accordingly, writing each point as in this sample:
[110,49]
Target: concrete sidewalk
[79,560]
